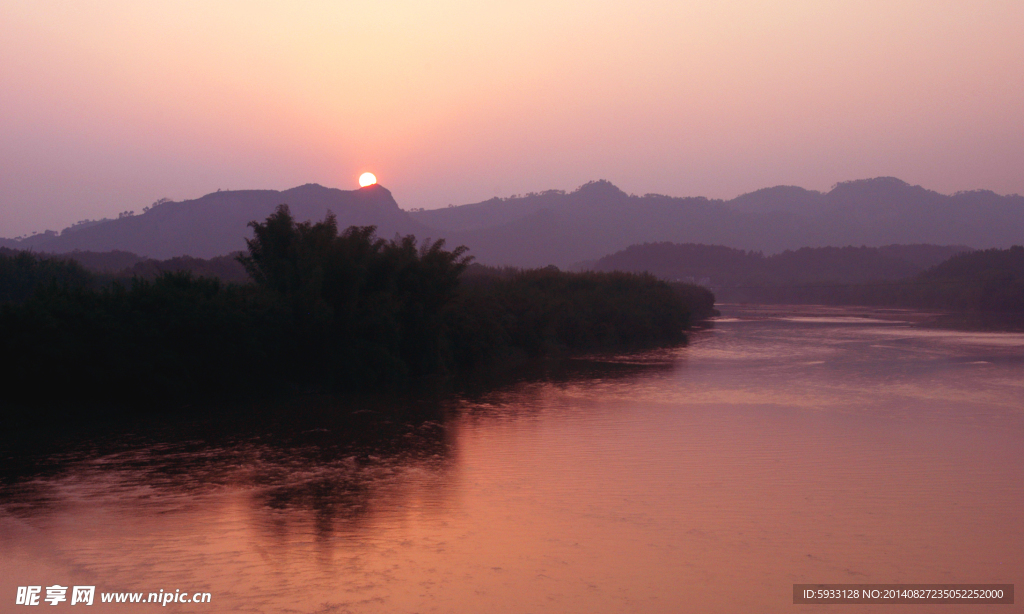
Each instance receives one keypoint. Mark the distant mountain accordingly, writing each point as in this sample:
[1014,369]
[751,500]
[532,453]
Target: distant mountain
[597,219]
[561,228]
[783,198]
[216,224]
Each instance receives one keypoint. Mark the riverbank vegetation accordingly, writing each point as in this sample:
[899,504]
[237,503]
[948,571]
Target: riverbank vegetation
[326,310]
[732,270]
[947,278]
[984,282]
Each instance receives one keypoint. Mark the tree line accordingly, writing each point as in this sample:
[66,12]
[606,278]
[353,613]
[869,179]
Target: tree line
[326,309]
[986,287]
[978,282]
[949,278]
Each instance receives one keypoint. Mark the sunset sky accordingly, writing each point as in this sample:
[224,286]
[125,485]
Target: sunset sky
[108,106]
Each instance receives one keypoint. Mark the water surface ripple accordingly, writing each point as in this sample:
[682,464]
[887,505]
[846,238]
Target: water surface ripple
[774,449]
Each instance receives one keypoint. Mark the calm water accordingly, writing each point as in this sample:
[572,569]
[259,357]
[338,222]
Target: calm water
[775,449]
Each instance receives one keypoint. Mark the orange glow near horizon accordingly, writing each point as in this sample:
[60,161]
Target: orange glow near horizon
[367,179]
[107,106]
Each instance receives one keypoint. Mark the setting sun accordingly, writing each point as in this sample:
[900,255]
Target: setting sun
[367,179]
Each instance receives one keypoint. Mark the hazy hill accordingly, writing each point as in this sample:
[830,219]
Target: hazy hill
[722,267]
[886,210]
[118,265]
[986,281]
[104,262]
[989,282]
[598,218]
[787,198]
[216,224]
[991,264]
[563,228]
[226,268]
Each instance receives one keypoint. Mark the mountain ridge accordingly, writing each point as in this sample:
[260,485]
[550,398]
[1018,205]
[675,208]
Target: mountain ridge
[871,212]
[217,223]
[563,228]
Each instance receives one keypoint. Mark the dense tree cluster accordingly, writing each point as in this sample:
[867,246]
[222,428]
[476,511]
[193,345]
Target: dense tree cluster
[980,282]
[325,310]
[989,280]
[21,273]
[512,312]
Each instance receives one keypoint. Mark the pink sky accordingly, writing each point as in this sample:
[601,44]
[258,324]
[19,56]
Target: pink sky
[108,106]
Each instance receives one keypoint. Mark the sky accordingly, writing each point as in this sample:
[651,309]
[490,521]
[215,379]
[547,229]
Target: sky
[107,106]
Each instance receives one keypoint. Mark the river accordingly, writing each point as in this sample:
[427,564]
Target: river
[778,447]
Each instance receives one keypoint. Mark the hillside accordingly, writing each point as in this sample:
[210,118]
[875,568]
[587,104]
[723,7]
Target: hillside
[565,228]
[989,280]
[597,219]
[949,278]
[722,268]
[216,224]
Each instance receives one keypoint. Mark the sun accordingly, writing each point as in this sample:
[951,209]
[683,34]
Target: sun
[367,179]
